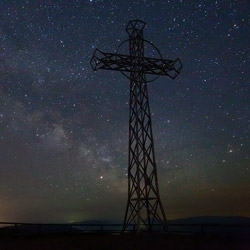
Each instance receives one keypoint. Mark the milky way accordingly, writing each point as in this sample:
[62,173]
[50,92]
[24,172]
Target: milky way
[64,128]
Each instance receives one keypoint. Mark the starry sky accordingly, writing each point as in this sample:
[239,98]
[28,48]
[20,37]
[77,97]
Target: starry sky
[64,128]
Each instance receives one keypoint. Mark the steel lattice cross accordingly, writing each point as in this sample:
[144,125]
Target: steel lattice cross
[144,208]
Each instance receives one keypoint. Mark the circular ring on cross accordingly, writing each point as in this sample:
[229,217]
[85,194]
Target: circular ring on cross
[124,50]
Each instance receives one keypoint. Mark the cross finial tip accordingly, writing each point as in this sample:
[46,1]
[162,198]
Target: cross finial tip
[135,25]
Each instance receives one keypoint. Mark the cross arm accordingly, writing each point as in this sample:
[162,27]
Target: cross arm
[120,62]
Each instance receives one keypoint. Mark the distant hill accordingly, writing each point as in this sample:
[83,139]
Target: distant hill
[95,222]
[193,220]
[213,220]
[35,229]
[108,225]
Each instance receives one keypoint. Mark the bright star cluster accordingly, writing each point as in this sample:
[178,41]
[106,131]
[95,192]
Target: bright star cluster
[64,128]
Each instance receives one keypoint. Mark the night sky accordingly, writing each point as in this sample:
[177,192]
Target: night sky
[64,128]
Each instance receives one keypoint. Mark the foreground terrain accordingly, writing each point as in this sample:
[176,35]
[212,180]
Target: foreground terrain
[123,242]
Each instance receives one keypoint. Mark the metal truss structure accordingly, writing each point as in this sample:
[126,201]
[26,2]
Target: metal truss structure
[144,207]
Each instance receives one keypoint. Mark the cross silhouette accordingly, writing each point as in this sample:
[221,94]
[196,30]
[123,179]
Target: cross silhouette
[144,209]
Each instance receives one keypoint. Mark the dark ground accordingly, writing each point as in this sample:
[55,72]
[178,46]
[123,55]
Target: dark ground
[122,242]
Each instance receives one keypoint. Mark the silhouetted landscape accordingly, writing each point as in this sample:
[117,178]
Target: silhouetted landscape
[217,233]
[124,242]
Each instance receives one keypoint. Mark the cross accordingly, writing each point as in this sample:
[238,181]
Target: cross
[144,210]
[136,59]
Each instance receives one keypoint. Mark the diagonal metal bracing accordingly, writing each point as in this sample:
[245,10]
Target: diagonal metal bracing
[144,207]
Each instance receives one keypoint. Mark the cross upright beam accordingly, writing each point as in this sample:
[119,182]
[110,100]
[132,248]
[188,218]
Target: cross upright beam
[144,207]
